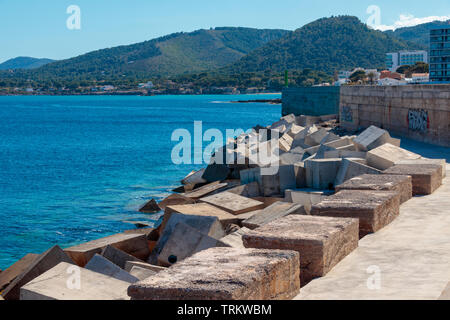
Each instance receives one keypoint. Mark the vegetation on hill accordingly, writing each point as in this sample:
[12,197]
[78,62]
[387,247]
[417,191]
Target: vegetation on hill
[24,63]
[419,67]
[419,34]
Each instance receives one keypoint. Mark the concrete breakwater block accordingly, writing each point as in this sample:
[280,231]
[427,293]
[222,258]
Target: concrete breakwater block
[387,155]
[350,169]
[53,285]
[426,178]
[175,199]
[440,162]
[102,265]
[133,244]
[446,293]
[130,264]
[141,273]
[205,190]
[150,207]
[381,182]
[306,197]
[273,212]
[8,275]
[183,242]
[195,177]
[225,274]
[118,257]
[235,239]
[321,241]
[233,203]
[375,209]
[372,138]
[316,138]
[42,264]
[250,190]
[321,173]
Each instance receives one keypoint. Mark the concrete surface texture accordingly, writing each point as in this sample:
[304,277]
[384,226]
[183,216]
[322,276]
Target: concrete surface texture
[409,259]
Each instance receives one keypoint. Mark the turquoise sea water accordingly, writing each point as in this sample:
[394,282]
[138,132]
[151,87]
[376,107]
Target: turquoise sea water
[72,169]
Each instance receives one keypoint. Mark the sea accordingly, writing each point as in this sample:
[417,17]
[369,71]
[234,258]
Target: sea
[78,168]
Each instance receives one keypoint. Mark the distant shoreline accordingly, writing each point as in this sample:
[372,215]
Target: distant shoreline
[148,95]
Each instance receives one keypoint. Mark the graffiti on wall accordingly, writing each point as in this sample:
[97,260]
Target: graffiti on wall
[347,114]
[418,120]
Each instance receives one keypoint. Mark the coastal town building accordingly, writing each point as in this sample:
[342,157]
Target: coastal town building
[440,55]
[405,58]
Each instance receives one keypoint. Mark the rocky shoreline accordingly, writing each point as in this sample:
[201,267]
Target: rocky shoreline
[234,232]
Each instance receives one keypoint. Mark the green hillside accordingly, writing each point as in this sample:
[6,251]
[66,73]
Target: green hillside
[328,44]
[419,34]
[24,63]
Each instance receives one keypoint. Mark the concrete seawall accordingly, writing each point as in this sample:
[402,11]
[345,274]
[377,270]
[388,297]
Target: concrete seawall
[311,101]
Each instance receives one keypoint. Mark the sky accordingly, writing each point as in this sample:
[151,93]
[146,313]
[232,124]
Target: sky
[39,28]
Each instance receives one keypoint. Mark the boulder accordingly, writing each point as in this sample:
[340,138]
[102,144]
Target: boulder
[40,265]
[322,242]
[53,285]
[8,275]
[133,244]
[225,274]
[184,241]
[381,182]
[374,209]
[426,178]
[272,213]
[233,203]
[387,155]
[102,265]
[350,169]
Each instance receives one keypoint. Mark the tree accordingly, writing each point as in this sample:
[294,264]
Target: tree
[359,75]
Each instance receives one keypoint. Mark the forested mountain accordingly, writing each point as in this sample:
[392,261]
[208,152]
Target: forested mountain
[419,34]
[24,63]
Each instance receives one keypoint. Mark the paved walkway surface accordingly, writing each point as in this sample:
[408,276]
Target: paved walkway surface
[409,259]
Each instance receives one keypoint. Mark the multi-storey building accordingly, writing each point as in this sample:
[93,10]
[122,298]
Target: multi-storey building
[440,55]
[402,58]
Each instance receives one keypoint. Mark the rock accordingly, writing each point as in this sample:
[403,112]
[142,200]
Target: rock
[225,274]
[306,197]
[321,173]
[216,172]
[441,162]
[201,210]
[133,244]
[193,178]
[322,242]
[381,182]
[205,190]
[183,242]
[118,257]
[102,265]
[8,275]
[350,169]
[250,190]
[130,264]
[272,213]
[233,203]
[387,155]
[375,209]
[141,273]
[150,207]
[175,199]
[426,178]
[235,239]
[40,265]
[53,285]
[139,224]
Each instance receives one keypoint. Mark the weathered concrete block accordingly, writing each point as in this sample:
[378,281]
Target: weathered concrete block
[285,143]
[288,178]
[292,157]
[306,197]
[381,182]
[321,241]
[329,138]
[183,242]
[299,138]
[344,154]
[130,264]
[250,190]
[104,266]
[446,293]
[195,177]
[387,155]
[274,212]
[233,203]
[205,190]
[235,239]
[375,209]
[372,138]
[118,257]
[175,199]
[350,169]
[321,173]
[300,175]
[216,172]
[225,274]
[42,264]
[142,273]
[8,275]
[150,207]
[426,178]
[441,162]
[133,244]
[315,138]
[52,285]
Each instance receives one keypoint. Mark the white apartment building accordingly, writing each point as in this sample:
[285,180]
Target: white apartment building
[397,59]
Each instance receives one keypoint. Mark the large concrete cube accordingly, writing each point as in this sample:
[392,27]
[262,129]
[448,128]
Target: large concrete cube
[118,257]
[321,173]
[102,265]
[225,274]
[381,182]
[54,285]
[440,162]
[306,197]
[175,199]
[350,169]
[205,190]
[321,241]
[233,203]
[426,178]
[375,209]
[387,155]
[273,212]
[8,275]
[133,244]
[372,138]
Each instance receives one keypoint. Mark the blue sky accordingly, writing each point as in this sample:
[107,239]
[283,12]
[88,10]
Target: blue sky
[38,28]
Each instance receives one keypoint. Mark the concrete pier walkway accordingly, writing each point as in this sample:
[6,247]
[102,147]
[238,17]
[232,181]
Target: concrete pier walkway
[409,259]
